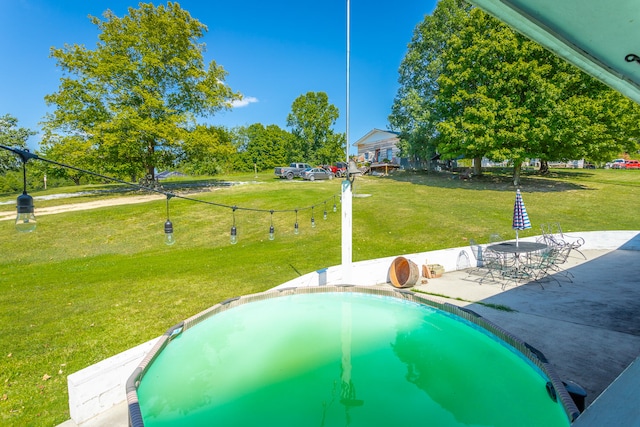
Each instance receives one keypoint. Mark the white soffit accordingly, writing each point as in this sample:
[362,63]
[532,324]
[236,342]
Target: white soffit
[601,37]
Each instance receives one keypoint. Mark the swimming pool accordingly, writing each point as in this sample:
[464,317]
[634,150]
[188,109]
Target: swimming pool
[344,355]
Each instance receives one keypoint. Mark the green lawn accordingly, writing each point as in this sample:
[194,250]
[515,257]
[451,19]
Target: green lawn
[90,284]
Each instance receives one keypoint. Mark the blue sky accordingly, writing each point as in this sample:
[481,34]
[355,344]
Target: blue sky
[273,51]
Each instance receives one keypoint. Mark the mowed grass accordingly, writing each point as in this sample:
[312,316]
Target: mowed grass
[90,284]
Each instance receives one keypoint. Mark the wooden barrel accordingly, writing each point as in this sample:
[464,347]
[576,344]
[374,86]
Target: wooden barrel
[403,273]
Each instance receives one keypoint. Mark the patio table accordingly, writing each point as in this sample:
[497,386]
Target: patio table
[519,248]
[518,270]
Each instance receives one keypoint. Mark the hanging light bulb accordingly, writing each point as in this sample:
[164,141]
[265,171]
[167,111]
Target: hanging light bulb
[25,220]
[234,231]
[313,220]
[168,233]
[234,235]
[272,231]
[168,226]
[324,215]
[296,229]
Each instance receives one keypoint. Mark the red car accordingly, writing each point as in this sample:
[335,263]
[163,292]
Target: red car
[632,164]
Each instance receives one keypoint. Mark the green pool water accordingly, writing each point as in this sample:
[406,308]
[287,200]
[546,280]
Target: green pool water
[343,359]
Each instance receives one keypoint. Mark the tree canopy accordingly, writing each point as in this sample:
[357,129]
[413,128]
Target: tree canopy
[262,147]
[472,87]
[137,95]
[12,136]
[311,120]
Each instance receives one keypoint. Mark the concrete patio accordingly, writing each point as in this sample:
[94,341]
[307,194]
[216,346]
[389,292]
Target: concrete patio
[588,329]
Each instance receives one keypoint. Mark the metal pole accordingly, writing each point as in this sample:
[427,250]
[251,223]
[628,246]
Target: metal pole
[347,242]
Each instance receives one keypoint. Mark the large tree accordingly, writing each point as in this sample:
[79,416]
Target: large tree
[311,120]
[135,95]
[504,97]
[482,90]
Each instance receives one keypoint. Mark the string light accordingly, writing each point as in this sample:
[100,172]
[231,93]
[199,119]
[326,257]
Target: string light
[234,231]
[272,231]
[25,219]
[168,226]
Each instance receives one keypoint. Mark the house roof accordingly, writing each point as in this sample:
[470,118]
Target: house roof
[376,135]
[599,37]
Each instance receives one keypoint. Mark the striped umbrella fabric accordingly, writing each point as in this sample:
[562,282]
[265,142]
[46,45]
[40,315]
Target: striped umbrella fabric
[520,216]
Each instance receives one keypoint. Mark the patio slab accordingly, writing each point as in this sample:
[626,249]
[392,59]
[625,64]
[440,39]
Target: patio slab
[589,329]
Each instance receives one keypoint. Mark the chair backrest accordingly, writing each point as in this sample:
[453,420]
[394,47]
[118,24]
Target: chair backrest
[463,260]
[476,251]
[552,234]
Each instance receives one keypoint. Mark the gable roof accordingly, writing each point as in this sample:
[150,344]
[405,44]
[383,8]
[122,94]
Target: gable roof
[377,135]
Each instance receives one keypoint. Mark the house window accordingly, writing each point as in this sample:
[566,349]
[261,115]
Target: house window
[389,154]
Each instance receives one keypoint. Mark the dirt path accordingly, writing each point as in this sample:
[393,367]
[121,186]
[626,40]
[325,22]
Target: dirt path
[6,216]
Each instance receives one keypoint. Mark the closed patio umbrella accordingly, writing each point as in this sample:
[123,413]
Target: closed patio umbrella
[520,216]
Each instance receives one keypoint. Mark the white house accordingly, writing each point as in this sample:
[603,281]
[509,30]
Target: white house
[378,145]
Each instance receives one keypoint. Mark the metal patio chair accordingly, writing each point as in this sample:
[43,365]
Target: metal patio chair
[562,254]
[543,266]
[476,261]
[553,236]
[500,268]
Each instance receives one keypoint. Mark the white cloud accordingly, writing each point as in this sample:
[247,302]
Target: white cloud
[244,102]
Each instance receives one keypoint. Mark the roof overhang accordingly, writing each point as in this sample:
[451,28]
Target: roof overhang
[601,37]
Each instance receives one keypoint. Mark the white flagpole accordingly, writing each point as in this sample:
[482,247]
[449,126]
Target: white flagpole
[347,225]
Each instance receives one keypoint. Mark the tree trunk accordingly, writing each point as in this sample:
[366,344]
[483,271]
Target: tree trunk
[517,167]
[544,167]
[477,166]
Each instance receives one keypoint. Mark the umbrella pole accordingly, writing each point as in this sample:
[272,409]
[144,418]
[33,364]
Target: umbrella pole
[516,237]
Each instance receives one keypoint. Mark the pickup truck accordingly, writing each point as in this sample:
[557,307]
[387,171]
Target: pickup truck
[294,169]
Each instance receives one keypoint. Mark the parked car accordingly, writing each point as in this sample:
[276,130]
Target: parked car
[292,171]
[615,164]
[632,164]
[317,173]
[338,169]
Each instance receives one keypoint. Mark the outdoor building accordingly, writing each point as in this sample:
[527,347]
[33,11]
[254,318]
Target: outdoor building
[378,145]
